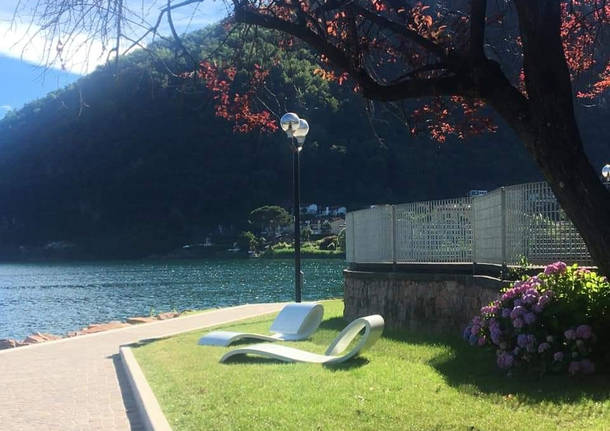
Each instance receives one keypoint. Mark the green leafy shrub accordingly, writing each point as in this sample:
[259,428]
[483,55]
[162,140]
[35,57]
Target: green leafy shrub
[328,243]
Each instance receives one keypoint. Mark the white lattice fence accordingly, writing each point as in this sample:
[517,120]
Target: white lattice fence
[502,227]
[538,229]
[433,231]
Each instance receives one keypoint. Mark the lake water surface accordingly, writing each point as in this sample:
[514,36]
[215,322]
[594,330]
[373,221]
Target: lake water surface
[62,297]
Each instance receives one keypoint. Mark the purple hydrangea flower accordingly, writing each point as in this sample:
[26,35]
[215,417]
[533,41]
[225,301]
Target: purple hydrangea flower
[529,318]
[587,367]
[570,334]
[466,333]
[473,340]
[517,311]
[505,312]
[505,360]
[545,298]
[530,296]
[518,323]
[558,356]
[574,367]
[584,332]
[475,329]
[481,341]
[543,347]
[522,340]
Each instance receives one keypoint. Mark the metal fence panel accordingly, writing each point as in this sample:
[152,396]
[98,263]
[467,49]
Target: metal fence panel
[434,231]
[539,229]
[487,235]
[349,237]
[372,235]
[504,226]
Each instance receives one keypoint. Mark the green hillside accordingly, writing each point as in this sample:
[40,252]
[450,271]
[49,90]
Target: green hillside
[132,161]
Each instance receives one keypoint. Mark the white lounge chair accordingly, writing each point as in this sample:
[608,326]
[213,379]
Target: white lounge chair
[296,321]
[372,325]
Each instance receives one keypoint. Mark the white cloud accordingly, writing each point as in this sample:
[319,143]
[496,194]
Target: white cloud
[6,107]
[21,39]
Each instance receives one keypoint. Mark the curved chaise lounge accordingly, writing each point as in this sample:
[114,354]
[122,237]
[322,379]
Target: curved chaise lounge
[296,321]
[372,325]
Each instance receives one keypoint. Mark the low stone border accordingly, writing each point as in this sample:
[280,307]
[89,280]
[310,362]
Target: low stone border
[148,406]
[94,328]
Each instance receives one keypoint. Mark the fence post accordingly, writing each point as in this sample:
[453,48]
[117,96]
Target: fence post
[503,233]
[354,238]
[393,238]
[473,238]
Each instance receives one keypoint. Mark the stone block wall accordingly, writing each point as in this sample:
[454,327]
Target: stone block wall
[432,302]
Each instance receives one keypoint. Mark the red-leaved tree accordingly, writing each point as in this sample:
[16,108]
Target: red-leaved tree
[518,57]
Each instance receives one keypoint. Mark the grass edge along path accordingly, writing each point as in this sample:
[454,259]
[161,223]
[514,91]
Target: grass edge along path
[407,381]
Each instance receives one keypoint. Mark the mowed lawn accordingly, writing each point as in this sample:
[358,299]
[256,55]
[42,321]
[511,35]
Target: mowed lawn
[407,381]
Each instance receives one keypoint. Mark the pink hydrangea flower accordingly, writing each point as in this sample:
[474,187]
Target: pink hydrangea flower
[555,268]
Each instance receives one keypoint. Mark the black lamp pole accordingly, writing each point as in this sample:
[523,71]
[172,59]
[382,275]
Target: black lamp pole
[298,128]
[298,275]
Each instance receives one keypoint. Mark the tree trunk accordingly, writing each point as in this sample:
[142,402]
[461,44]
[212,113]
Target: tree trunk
[552,136]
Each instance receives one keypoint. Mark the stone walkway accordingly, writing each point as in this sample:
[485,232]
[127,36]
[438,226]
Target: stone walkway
[79,383]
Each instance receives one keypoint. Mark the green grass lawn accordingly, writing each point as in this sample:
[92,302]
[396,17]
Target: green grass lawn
[407,381]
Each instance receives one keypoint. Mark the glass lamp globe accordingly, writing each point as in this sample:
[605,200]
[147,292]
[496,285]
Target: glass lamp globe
[606,172]
[301,132]
[289,123]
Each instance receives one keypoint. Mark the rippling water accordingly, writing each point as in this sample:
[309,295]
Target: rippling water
[61,297]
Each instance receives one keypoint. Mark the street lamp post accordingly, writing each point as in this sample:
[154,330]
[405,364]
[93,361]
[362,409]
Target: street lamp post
[606,175]
[296,128]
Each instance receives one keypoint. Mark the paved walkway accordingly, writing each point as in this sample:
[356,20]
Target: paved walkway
[79,383]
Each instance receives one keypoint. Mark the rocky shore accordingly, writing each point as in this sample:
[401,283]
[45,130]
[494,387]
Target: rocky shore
[41,337]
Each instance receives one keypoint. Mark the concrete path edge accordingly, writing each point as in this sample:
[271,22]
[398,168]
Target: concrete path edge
[146,402]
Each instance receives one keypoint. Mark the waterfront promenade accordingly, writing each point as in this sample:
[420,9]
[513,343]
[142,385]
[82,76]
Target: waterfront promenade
[79,383]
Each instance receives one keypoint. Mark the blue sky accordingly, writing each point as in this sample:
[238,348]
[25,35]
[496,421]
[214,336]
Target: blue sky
[22,79]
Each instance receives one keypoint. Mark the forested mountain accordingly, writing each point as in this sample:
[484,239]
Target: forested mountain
[131,159]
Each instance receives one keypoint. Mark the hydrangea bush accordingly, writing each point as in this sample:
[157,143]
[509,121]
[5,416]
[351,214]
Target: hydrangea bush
[555,321]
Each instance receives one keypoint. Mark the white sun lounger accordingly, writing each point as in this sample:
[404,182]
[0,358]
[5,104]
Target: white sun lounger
[372,325]
[296,321]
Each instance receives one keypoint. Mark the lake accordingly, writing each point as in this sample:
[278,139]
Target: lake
[62,297]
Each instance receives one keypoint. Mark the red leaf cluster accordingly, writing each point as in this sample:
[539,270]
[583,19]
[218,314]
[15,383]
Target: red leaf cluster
[233,106]
[457,116]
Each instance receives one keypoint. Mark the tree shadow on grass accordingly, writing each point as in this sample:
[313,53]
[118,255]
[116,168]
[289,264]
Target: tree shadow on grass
[348,365]
[333,324]
[473,371]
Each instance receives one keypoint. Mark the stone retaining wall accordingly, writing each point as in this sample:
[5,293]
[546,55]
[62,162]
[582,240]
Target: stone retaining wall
[434,302]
